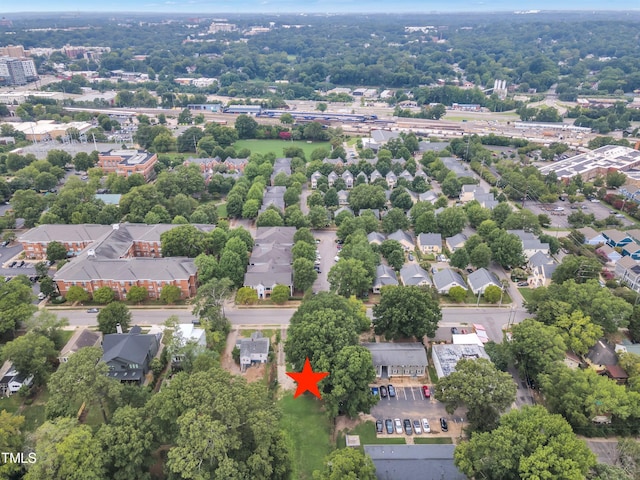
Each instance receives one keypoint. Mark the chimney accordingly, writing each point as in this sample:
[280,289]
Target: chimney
[116,226]
[91,253]
[118,328]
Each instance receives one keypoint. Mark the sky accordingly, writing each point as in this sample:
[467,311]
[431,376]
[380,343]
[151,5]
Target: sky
[320,6]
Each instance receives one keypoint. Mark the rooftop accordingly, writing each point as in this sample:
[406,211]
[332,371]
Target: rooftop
[448,355]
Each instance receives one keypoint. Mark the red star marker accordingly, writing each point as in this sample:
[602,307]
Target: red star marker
[307,379]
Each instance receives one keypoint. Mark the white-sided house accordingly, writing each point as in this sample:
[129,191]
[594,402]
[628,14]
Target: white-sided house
[384,276]
[253,350]
[12,381]
[456,242]
[184,334]
[392,179]
[415,275]
[315,176]
[628,272]
[530,243]
[343,198]
[347,176]
[542,267]
[405,238]
[374,176]
[446,279]
[331,178]
[80,339]
[430,243]
[591,237]
[481,279]
[376,237]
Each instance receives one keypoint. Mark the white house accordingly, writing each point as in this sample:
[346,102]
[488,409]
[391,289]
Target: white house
[253,350]
[12,381]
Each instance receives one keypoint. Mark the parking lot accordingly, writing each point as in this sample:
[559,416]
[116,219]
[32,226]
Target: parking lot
[559,211]
[410,403]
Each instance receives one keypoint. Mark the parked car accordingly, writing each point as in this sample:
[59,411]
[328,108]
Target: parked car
[317,241]
[12,264]
[434,270]
[20,264]
[407,427]
[383,391]
[336,259]
[398,424]
[426,391]
[411,257]
[443,424]
[416,427]
[469,270]
[388,423]
[454,331]
[375,391]
[93,310]
[379,426]
[41,296]
[426,428]
[523,284]
[392,390]
[5,243]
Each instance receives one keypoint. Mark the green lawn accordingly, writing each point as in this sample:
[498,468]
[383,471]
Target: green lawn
[10,404]
[526,293]
[367,433]
[277,146]
[308,431]
[66,336]
[222,210]
[432,440]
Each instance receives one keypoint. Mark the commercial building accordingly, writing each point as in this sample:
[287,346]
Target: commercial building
[595,163]
[446,356]
[17,71]
[128,162]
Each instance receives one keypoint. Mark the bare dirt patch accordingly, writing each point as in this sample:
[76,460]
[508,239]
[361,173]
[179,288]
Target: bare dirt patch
[255,372]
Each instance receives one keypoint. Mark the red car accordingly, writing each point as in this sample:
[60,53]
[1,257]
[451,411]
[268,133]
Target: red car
[426,391]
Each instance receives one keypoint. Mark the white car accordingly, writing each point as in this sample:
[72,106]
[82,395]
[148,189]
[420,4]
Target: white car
[398,424]
[425,426]
[595,200]
[336,259]
[416,427]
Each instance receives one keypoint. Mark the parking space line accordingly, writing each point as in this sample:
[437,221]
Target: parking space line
[413,394]
[404,391]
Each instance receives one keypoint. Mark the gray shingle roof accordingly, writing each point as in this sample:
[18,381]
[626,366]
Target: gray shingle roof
[430,239]
[457,240]
[424,462]
[85,269]
[65,233]
[131,346]
[447,277]
[413,274]
[268,274]
[481,279]
[385,276]
[397,353]
[282,235]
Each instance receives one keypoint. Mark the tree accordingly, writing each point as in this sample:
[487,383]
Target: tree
[31,354]
[280,294]
[485,391]
[578,331]
[577,268]
[45,181]
[270,218]
[83,162]
[47,286]
[77,294]
[318,217]
[457,294]
[182,241]
[246,296]
[349,277]
[48,324]
[528,443]
[170,294]
[451,221]
[246,126]
[11,440]
[232,266]
[365,196]
[219,439]
[536,347]
[113,314]
[304,275]
[506,249]
[208,303]
[347,464]
[15,305]
[394,220]
[405,312]
[460,258]
[59,158]
[56,251]
[304,250]
[103,295]
[66,450]
[492,294]
[137,294]
[126,442]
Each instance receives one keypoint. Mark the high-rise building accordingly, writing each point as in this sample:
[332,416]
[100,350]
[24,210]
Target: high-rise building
[15,51]
[17,71]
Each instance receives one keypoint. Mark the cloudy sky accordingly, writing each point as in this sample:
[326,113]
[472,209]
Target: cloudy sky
[322,6]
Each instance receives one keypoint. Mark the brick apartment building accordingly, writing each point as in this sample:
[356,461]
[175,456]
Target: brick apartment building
[128,162]
[117,256]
